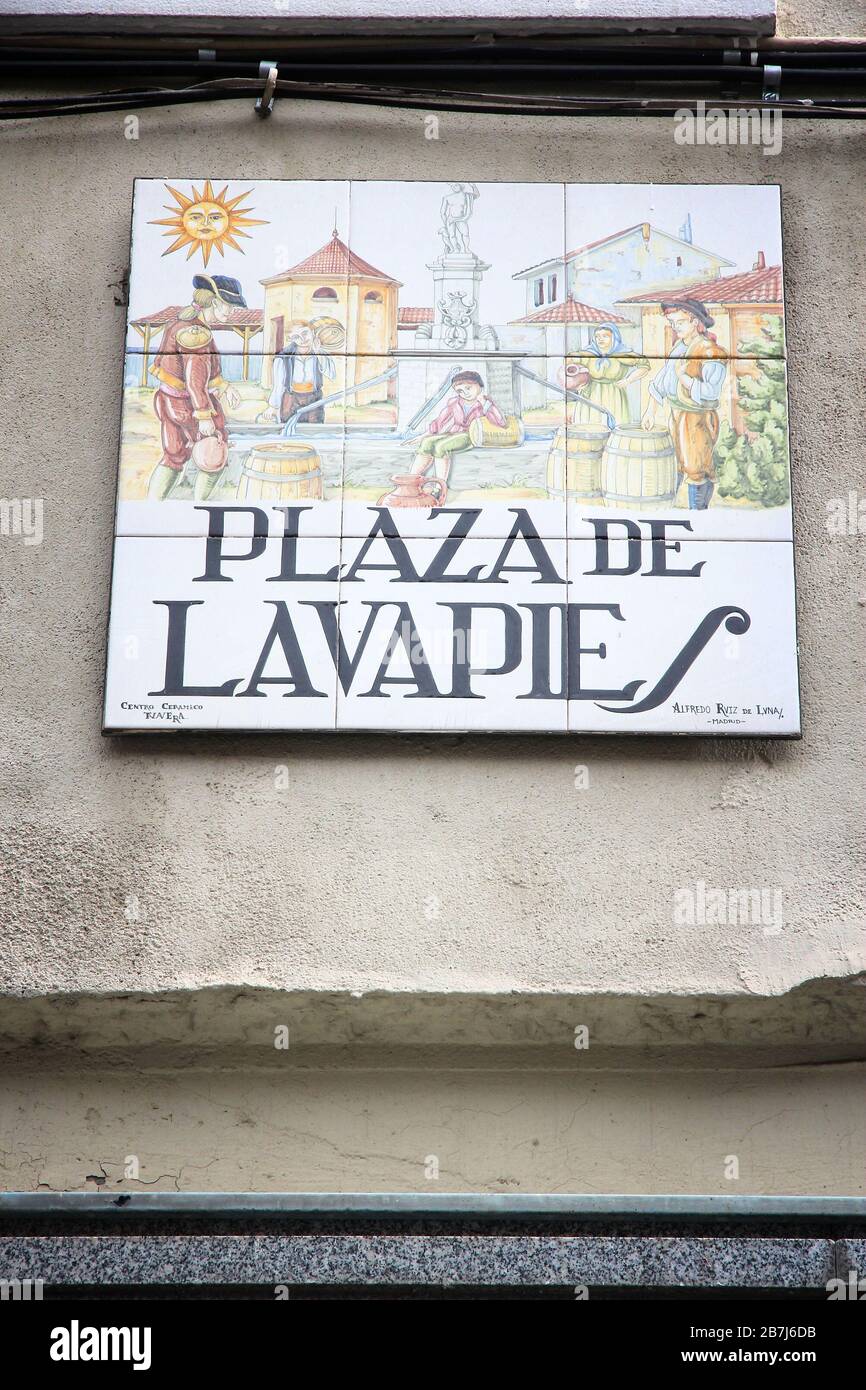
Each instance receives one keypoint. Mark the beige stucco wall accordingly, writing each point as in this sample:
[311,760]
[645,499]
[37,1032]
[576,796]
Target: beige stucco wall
[377,1126]
[327,883]
[802,18]
[460,866]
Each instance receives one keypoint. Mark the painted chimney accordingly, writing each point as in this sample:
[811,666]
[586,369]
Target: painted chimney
[760,263]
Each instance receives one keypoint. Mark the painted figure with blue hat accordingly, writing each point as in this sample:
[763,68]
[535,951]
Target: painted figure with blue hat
[224,291]
[191,394]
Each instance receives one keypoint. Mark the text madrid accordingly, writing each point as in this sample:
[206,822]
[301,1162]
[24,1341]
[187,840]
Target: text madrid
[548,679]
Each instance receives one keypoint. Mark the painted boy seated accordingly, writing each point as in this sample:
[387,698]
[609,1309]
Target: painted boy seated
[448,434]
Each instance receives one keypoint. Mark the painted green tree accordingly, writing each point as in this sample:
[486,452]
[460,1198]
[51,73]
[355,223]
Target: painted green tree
[755,465]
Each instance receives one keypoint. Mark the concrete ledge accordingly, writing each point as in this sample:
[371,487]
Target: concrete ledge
[609,1261]
[822,1020]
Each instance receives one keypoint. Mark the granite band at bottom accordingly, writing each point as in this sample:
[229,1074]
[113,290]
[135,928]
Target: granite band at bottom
[626,1261]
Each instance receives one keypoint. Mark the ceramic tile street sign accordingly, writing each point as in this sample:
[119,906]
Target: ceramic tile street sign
[457,455]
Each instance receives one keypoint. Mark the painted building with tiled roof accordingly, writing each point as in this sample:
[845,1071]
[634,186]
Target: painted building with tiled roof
[572,311]
[740,304]
[568,325]
[333,259]
[411,317]
[600,272]
[334,282]
[760,285]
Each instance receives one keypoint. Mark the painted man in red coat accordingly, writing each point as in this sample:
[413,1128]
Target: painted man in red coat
[191,389]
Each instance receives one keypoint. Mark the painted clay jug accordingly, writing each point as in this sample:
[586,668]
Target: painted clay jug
[414,490]
[209,453]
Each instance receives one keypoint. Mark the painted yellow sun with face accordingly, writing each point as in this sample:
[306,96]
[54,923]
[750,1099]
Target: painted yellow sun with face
[206,220]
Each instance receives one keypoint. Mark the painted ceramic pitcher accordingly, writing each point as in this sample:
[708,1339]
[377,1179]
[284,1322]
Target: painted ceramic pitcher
[413,490]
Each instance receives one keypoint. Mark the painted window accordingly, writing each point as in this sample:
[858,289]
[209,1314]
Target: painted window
[538,293]
[325,293]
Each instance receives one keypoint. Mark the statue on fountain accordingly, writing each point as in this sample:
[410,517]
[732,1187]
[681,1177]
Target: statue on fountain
[456,210]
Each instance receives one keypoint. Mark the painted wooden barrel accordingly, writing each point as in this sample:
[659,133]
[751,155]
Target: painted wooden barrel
[639,469]
[280,471]
[574,462]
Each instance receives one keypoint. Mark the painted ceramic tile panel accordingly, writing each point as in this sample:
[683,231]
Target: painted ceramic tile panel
[695,438]
[682,637]
[346,402]
[222,634]
[632,249]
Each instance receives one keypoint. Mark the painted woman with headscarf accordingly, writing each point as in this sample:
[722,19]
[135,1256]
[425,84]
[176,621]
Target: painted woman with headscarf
[603,376]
